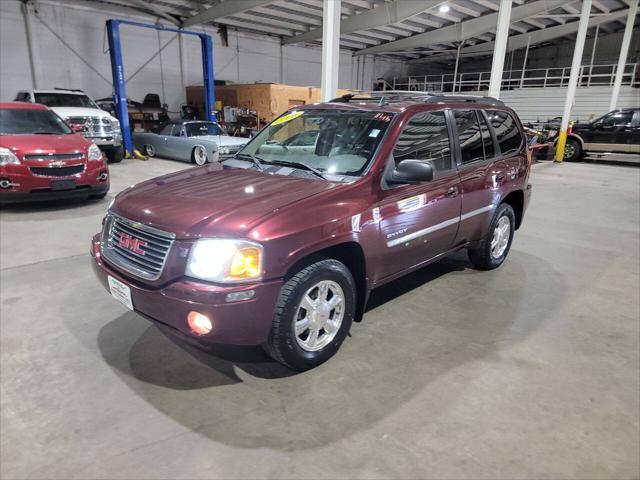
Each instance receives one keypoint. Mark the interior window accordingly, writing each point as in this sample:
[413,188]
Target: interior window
[487,141]
[618,119]
[506,130]
[469,135]
[425,138]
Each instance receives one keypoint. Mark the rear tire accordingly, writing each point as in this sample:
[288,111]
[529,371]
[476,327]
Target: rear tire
[115,155]
[313,315]
[572,150]
[495,246]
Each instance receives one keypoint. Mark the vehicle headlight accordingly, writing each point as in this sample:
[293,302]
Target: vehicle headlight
[94,153]
[223,150]
[7,157]
[225,260]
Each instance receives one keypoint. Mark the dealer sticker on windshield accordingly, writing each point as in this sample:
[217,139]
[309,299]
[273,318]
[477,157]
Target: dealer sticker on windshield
[287,118]
[120,292]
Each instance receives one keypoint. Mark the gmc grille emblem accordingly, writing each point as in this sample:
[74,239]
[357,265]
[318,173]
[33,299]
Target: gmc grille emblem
[131,243]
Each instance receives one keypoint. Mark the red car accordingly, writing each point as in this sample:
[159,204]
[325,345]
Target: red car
[42,158]
[282,244]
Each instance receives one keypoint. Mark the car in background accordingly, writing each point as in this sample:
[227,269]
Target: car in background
[42,158]
[191,141]
[281,245]
[146,116]
[80,111]
[614,136]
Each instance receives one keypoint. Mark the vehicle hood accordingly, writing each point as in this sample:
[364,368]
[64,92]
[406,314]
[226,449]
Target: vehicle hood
[66,112]
[44,144]
[213,201]
[226,140]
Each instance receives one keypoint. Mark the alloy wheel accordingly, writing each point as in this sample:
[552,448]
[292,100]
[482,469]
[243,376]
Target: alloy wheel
[319,315]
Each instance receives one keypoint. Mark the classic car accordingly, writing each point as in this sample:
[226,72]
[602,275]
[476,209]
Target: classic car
[192,141]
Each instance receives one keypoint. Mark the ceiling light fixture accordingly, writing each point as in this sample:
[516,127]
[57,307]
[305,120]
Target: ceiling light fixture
[444,8]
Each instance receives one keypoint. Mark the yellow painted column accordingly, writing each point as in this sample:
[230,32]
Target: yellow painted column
[562,141]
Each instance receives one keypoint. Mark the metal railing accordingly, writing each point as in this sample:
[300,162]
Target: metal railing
[589,76]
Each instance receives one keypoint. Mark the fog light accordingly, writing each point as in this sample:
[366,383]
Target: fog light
[238,296]
[103,176]
[199,323]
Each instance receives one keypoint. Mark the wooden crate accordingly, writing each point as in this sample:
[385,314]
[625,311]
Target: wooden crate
[268,99]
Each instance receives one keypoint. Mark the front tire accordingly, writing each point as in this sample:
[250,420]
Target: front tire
[199,155]
[313,315]
[115,155]
[572,150]
[149,151]
[494,248]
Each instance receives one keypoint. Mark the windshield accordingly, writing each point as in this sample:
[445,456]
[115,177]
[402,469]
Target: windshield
[27,121]
[64,100]
[339,142]
[198,129]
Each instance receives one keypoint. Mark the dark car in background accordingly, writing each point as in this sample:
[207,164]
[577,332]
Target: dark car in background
[42,158]
[614,136]
[281,244]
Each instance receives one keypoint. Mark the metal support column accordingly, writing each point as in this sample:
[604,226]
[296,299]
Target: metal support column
[330,48]
[183,68]
[524,62]
[119,89]
[34,61]
[593,53]
[573,78]
[455,70]
[502,35]
[624,51]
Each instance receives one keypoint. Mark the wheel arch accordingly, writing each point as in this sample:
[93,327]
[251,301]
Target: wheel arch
[516,200]
[351,254]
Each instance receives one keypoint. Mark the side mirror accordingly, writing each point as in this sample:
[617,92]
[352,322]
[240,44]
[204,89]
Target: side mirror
[412,171]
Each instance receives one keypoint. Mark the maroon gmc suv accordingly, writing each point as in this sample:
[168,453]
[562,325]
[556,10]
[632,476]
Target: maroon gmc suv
[281,244]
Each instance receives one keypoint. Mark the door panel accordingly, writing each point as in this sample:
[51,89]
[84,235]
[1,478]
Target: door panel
[418,222]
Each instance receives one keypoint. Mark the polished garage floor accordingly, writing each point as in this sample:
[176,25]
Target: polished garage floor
[530,371]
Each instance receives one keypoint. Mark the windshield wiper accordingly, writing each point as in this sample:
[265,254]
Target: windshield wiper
[255,160]
[301,166]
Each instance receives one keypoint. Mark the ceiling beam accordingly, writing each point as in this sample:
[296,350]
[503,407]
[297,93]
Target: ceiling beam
[538,36]
[385,14]
[463,30]
[223,9]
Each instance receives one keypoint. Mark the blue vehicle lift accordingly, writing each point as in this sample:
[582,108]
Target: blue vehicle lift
[117,71]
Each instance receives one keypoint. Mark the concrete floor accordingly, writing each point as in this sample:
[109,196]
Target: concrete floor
[530,371]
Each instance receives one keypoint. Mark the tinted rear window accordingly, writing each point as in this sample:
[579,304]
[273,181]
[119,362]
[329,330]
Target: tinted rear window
[506,130]
[469,135]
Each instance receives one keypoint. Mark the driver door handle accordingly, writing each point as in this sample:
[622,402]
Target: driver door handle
[452,192]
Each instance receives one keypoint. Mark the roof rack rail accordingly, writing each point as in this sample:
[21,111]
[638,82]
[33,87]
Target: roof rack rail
[384,97]
[465,98]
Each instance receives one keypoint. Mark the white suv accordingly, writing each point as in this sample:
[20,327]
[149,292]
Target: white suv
[76,108]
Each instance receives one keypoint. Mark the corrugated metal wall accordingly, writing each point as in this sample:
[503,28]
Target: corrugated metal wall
[541,104]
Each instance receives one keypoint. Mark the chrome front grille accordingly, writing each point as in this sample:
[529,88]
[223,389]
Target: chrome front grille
[136,248]
[93,125]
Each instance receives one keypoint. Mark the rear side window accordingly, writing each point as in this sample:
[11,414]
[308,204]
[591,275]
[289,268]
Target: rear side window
[425,137]
[469,135]
[506,130]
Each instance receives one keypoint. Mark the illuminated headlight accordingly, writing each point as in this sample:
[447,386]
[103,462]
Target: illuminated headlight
[223,150]
[7,157]
[225,260]
[93,153]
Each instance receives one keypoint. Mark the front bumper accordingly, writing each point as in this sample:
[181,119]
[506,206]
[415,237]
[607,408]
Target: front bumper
[18,184]
[246,322]
[106,142]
